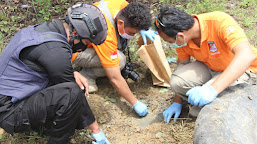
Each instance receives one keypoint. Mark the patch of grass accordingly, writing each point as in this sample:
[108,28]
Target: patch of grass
[9,22]
[80,136]
[28,138]
[245,13]
[133,47]
[203,6]
[46,9]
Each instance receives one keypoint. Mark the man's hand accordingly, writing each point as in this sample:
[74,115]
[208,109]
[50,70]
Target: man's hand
[81,81]
[100,138]
[201,95]
[149,33]
[140,108]
[174,108]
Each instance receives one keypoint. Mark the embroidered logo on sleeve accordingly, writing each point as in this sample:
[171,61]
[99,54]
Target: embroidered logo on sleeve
[114,55]
[213,48]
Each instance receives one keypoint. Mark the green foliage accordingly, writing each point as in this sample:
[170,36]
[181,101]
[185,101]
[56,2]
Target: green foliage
[165,1]
[29,138]
[245,13]
[163,90]
[48,8]
[133,47]
[8,23]
[113,100]
[13,17]
[203,6]
[82,136]
[246,3]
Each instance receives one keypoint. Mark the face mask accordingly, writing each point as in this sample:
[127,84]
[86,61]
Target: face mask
[174,45]
[79,47]
[125,35]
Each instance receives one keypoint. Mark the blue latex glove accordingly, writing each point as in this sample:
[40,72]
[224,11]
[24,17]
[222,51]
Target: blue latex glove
[149,33]
[174,108]
[100,138]
[14,99]
[140,108]
[174,60]
[201,95]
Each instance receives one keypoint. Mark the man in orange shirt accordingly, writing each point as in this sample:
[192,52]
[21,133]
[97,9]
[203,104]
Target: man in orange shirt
[223,56]
[123,20]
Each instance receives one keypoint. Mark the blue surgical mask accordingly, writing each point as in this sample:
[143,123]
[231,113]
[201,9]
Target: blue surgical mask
[125,35]
[174,45]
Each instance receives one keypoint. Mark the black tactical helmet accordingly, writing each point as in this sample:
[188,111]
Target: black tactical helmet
[89,22]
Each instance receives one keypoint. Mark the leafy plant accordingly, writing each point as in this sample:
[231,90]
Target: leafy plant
[47,8]
[203,6]
[246,3]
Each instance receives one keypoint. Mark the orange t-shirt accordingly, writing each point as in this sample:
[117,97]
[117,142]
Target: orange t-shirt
[219,34]
[107,51]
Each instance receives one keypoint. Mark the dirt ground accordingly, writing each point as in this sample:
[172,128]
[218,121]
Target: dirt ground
[122,125]
[118,120]
[115,115]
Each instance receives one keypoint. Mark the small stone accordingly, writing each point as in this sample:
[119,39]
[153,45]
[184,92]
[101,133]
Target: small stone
[217,108]
[1,131]
[158,136]
[250,97]
[137,129]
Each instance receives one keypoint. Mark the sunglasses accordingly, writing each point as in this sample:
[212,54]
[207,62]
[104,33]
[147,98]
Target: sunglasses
[159,23]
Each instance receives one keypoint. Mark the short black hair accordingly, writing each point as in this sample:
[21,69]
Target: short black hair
[136,15]
[173,21]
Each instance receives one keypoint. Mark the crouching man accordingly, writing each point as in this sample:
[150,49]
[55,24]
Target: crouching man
[225,65]
[38,86]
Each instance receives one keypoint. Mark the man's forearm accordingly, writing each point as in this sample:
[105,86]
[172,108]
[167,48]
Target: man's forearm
[122,88]
[119,83]
[242,60]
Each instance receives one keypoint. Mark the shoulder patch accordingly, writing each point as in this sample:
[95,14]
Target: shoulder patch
[114,55]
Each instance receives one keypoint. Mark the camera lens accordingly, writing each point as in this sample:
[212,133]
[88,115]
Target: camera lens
[125,72]
[134,76]
[128,72]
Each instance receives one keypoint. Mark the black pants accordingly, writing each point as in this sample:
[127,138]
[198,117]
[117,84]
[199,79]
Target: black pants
[61,109]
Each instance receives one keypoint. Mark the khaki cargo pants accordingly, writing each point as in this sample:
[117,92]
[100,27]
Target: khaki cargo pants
[91,65]
[189,75]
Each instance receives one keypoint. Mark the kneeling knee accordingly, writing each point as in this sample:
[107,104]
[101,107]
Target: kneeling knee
[74,92]
[177,83]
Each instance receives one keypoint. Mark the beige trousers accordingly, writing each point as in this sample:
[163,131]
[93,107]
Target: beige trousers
[91,64]
[189,75]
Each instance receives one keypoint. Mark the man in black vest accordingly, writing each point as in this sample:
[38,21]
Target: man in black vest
[38,86]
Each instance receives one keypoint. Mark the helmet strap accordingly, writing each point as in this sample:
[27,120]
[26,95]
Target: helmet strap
[72,37]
